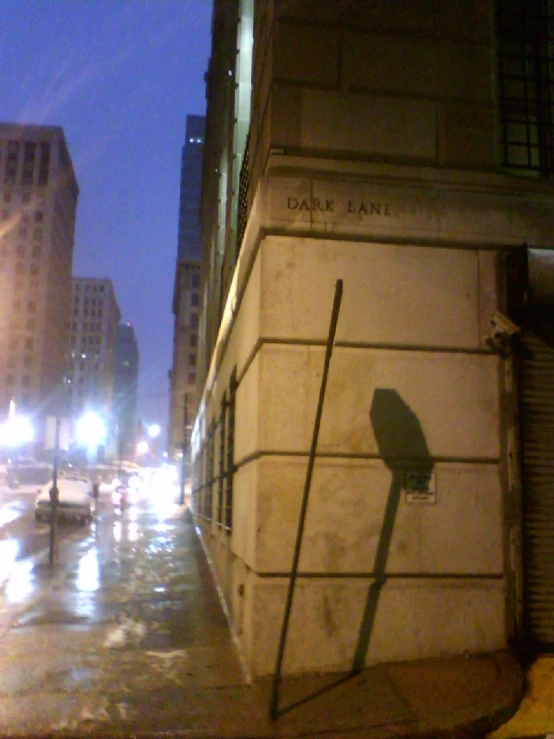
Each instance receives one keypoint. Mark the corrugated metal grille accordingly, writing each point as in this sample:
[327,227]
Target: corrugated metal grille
[537,431]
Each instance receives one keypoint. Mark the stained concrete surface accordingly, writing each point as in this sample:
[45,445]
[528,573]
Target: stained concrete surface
[126,637]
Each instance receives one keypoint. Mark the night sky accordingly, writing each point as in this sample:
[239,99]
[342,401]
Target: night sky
[120,77]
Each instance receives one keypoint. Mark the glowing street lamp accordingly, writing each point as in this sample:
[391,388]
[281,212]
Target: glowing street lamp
[91,430]
[142,447]
[17,430]
[154,430]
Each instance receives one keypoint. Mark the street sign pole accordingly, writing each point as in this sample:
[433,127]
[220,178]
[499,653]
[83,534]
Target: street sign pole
[54,499]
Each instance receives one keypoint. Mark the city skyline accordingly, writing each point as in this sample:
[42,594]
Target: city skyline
[120,81]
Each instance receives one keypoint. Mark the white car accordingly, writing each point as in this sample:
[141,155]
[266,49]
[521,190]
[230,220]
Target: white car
[75,501]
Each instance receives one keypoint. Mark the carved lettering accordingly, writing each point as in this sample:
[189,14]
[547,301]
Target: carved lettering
[353,207]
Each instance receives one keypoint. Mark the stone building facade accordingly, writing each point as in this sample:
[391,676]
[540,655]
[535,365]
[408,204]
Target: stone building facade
[38,205]
[376,147]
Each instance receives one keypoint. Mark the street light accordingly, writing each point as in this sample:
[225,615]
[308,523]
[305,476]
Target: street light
[91,429]
[142,447]
[17,430]
[154,430]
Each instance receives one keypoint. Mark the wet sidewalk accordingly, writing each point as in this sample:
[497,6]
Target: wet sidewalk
[127,637]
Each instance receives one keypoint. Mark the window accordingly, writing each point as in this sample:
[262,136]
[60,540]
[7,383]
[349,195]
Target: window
[35,252]
[39,216]
[192,378]
[21,250]
[37,233]
[26,197]
[222,461]
[230,463]
[23,233]
[194,319]
[192,359]
[25,381]
[525,44]
[193,340]
[28,343]
[27,361]
[194,300]
[32,306]
[196,280]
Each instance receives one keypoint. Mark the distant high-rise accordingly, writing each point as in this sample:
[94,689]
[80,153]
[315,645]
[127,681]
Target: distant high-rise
[125,389]
[93,326]
[191,181]
[187,283]
[38,201]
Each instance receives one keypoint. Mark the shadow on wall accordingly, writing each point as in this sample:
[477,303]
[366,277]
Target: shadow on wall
[401,444]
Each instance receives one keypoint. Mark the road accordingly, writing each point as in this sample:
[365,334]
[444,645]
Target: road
[22,538]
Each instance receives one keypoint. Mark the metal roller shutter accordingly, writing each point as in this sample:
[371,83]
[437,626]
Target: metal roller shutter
[536,353]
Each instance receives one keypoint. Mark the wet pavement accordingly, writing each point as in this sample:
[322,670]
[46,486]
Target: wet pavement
[127,637]
[116,633]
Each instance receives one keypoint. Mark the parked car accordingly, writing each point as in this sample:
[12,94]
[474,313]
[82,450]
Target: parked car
[75,501]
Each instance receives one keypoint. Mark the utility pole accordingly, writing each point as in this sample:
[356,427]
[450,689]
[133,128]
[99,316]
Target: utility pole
[185,449]
[54,499]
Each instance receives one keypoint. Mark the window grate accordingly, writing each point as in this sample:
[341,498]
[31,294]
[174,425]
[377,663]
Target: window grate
[525,42]
[230,471]
[222,461]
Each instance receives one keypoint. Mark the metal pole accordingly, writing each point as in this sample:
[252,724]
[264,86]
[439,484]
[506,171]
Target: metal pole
[185,448]
[54,497]
[304,506]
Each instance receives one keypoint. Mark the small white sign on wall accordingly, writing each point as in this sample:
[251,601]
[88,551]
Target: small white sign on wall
[421,487]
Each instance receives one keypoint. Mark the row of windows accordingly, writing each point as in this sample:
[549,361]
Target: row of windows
[21,250]
[92,312]
[84,340]
[24,381]
[26,216]
[86,326]
[29,160]
[88,301]
[87,287]
[26,197]
[216,480]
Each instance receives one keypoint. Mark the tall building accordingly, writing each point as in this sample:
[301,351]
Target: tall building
[91,366]
[182,376]
[38,201]
[188,246]
[403,151]
[125,390]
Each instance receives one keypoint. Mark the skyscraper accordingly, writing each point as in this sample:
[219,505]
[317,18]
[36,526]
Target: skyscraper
[190,191]
[91,366]
[182,375]
[125,390]
[38,201]
[403,151]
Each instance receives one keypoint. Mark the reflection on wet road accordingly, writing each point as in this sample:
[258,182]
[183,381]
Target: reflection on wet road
[112,636]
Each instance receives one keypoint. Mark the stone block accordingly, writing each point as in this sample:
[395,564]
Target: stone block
[451,397]
[334,622]
[359,516]
[407,295]
[369,125]
[306,54]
